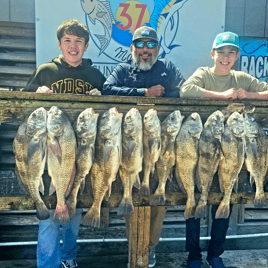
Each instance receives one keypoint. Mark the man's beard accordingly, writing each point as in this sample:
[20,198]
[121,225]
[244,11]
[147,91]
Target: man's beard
[144,66]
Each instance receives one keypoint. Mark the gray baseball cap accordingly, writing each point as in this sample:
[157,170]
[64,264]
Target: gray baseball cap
[145,32]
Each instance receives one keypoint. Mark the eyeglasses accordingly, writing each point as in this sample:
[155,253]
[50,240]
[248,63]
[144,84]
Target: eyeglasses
[149,44]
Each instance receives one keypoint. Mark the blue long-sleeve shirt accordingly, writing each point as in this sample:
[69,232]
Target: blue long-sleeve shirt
[127,80]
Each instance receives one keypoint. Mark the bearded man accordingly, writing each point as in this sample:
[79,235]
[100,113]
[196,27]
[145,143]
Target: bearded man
[146,75]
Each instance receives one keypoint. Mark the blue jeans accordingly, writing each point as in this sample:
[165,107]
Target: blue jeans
[218,236]
[49,252]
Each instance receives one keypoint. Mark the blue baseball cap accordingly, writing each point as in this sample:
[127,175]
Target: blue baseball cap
[226,39]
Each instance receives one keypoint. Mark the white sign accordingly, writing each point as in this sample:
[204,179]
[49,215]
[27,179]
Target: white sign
[186,29]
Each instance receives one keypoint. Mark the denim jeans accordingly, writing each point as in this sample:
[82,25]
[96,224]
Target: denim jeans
[218,236]
[49,251]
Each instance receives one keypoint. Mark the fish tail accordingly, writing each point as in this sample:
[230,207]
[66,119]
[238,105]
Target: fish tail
[189,210]
[260,200]
[223,211]
[61,214]
[126,207]
[144,190]
[92,218]
[201,209]
[158,200]
[42,212]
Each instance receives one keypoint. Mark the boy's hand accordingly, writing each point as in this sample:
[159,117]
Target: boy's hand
[243,94]
[230,94]
[44,89]
[155,91]
[93,92]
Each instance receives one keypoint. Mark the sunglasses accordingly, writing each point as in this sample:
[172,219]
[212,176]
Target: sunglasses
[149,44]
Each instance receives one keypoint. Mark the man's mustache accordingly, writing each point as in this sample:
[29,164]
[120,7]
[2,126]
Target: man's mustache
[145,53]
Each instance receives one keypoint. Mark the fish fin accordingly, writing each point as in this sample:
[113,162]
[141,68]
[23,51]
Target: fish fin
[100,14]
[108,146]
[88,186]
[220,181]
[52,189]
[137,183]
[153,143]
[131,147]
[103,42]
[82,186]
[56,150]
[153,169]
[254,148]
[198,180]
[252,180]
[32,148]
[41,186]
[108,193]
[91,20]
[236,185]
[70,182]
[177,176]
[240,150]
[170,175]
[169,145]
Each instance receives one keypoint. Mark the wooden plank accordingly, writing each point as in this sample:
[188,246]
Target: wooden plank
[133,239]
[140,232]
[13,83]
[17,70]
[104,217]
[232,230]
[146,239]
[17,24]
[241,214]
[18,57]
[17,44]
[258,214]
[16,31]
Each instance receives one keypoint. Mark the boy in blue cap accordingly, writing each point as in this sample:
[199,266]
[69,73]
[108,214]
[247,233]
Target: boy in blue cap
[220,81]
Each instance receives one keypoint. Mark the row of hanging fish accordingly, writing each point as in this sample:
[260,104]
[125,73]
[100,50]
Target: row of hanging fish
[104,149]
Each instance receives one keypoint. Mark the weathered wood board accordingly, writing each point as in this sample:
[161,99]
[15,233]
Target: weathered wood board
[16,106]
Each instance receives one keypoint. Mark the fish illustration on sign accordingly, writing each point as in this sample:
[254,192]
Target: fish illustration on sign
[100,11]
[165,19]
[118,22]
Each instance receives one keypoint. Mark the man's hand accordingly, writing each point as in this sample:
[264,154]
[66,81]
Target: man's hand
[155,91]
[93,92]
[44,89]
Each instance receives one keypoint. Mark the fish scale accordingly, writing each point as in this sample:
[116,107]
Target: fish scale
[232,159]
[132,156]
[169,130]
[256,154]
[30,156]
[86,130]
[61,165]
[106,164]
[209,156]
[151,147]
[187,143]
